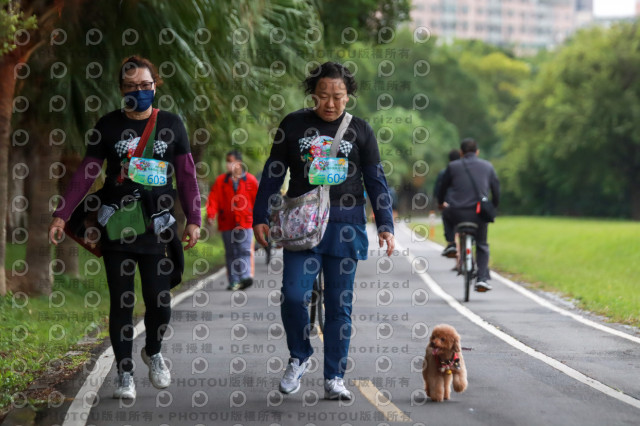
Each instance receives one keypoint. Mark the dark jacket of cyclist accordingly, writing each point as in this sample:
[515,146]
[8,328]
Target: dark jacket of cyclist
[460,189]
[462,198]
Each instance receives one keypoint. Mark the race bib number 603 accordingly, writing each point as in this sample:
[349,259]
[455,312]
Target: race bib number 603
[148,171]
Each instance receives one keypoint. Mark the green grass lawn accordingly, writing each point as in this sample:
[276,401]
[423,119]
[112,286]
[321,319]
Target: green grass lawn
[37,331]
[596,262]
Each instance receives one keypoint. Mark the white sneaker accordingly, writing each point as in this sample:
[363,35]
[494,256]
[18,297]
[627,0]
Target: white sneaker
[334,389]
[290,382]
[158,372]
[483,287]
[126,388]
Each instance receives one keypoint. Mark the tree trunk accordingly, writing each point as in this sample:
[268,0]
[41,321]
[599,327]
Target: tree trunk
[41,186]
[67,252]
[16,218]
[7,90]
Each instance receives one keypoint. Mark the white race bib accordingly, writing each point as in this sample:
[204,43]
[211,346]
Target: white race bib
[148,171]
[328,171]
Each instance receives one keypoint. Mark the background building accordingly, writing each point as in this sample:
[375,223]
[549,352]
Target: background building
[584,5]
[524,24]
[584,13]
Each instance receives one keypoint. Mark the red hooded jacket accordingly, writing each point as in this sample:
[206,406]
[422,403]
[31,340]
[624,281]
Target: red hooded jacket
[233,208]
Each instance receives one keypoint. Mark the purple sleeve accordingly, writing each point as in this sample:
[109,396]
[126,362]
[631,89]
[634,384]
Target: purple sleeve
[188,188]
[80,183]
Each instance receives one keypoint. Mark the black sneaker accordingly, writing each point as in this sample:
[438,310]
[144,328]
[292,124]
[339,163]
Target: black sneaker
[450,251]
[246,283]
[483,287]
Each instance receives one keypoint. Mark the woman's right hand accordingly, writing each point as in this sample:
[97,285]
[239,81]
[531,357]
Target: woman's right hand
[56,230]
[261,231]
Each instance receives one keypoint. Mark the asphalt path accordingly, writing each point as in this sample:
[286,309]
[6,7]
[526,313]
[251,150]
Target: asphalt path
[531,360]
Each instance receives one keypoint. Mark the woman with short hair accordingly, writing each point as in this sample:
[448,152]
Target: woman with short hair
[303,136]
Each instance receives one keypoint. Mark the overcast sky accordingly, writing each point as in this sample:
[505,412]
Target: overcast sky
[614,7]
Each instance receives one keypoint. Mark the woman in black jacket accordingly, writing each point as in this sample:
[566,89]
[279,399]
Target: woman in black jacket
[303,136]
[115,139]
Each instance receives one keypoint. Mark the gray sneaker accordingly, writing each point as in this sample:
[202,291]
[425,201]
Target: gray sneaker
[334,389]
[290,382]
[126,389]
[158,372]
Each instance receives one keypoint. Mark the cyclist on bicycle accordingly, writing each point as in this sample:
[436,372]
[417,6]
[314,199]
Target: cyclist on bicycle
[449,234]
[462,198]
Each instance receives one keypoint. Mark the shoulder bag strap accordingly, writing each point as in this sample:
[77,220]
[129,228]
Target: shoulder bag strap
[148,131]
[335,145]
[473,182]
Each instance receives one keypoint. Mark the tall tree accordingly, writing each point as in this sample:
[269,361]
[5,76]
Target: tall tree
[369,21]
[17,40]
[210,54]
[500,78]
[420,100]
[573,144]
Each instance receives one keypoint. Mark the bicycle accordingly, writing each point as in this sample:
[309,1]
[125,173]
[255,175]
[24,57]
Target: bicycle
[466,259]
[268,250]
[316,307]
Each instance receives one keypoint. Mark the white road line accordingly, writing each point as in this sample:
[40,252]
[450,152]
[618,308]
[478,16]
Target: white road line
[78,412]
[547,304]
[561,311]
[476,319]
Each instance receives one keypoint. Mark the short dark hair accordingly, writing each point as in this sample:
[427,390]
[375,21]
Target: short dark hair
[236,154]
[330,70]
[468,145]
[454,154]
[136,61]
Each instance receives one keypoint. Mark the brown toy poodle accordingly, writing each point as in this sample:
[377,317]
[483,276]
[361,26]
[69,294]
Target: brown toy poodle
[443,364]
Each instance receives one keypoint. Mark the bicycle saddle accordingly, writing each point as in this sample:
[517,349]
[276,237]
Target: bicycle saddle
[467,228]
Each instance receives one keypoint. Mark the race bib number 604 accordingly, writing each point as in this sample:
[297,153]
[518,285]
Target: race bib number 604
[148,171]
[328,171]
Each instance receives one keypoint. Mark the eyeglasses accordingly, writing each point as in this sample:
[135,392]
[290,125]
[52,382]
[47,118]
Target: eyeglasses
[145,85]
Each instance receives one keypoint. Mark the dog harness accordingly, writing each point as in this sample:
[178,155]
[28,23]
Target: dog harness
[446,366]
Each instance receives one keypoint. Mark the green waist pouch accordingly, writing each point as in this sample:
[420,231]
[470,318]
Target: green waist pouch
[127,222]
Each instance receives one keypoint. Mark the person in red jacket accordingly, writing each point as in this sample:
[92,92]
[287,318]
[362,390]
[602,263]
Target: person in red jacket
[231,199]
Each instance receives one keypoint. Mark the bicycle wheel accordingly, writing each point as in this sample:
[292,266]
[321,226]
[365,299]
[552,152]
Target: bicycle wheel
[312,305]
[466,273]
[315,299]
[267,250]
[320,301]
[316,307]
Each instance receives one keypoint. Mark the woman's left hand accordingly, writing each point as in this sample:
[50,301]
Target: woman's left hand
[389,238]
[191,235]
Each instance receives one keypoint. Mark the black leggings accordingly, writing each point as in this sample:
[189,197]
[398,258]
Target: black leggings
[121,268]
